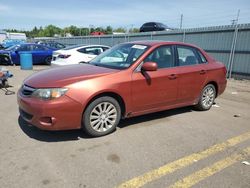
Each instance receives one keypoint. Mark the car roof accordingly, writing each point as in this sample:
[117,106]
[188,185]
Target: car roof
[160,42]
[78,46]
[30,44]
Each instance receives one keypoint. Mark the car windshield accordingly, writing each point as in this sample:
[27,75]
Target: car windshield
[13,47]
[120,56]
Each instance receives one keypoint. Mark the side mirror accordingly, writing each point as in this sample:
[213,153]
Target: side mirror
[149,66]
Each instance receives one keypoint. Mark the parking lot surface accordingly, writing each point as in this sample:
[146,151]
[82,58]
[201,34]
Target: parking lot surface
[174,148]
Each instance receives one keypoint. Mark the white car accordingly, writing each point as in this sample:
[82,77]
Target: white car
[76,54]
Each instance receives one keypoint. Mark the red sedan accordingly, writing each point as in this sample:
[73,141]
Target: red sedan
[128,80]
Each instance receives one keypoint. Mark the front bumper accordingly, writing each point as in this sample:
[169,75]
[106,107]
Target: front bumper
[59,114]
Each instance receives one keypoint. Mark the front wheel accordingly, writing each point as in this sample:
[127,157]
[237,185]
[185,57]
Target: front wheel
[207,98]
[101,116]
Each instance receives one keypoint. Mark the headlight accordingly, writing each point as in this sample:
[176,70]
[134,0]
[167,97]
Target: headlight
[50,93]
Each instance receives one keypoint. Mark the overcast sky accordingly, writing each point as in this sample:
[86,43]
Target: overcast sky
[25,14]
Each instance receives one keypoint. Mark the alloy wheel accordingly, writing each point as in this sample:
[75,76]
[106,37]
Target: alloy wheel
[103,117]
[208,97]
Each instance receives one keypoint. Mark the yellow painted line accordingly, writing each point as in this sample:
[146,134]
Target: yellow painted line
[200,175]
[183,162]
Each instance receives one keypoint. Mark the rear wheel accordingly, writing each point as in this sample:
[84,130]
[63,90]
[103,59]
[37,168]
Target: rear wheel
[101,116]
[207,98]
[48,60]
[5,83]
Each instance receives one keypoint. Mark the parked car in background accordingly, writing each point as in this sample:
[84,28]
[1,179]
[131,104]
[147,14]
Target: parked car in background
[153,76]
[11,42]
[52,44]
[97,33]
[77,54]
[40,54]
[154,26]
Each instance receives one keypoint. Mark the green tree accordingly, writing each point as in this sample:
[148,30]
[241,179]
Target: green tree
[120,30]
[134,30]
[51,30]
[109,30]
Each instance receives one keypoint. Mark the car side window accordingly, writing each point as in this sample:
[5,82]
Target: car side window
[81,50]
[23,48]
[91,50]
[104,48]
[150,24]
[202,57]
[163,56]
[38,48]
[187,56]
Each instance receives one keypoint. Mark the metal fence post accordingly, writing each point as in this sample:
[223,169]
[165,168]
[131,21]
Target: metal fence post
[112,40]
[232,59]
[232,51]
[184,36]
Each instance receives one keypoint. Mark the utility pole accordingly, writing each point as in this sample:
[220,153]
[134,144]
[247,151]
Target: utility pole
[181,21]
[235,21]
[232,52]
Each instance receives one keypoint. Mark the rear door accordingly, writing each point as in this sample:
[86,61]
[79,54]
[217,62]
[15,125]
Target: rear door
[192,73]
[39,53]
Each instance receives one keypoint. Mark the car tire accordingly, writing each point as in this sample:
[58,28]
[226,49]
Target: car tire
[5,83]
[207,98]
[101,116]
[48,60]
[5,60]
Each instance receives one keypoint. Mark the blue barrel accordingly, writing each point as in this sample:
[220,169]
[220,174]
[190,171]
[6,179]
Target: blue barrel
[26,61]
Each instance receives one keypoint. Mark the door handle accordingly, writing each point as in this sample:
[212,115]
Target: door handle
[203,72]
[172,76]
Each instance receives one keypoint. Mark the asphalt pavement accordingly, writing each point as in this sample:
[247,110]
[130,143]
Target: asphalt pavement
[174,148]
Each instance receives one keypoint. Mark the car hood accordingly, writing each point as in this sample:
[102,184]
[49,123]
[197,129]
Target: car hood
[4,51]
[65,75]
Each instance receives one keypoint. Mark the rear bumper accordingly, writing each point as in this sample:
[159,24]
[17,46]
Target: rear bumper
[221,87]
[58,114]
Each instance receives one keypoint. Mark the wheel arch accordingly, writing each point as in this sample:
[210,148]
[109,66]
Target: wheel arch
[114,95]
[215,84]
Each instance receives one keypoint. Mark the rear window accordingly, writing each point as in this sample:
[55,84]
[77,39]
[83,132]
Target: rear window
[149,24]
[73,46]
[187,56]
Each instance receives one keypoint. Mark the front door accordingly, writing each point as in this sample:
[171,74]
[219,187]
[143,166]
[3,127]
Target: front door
[154,89]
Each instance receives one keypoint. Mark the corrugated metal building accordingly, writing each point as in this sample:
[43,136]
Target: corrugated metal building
[228,44]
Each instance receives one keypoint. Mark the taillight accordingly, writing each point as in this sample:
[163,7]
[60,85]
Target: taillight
[63,56]
[225,70]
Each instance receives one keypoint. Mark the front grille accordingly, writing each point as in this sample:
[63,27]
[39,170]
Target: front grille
[25,115]
[27,91]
